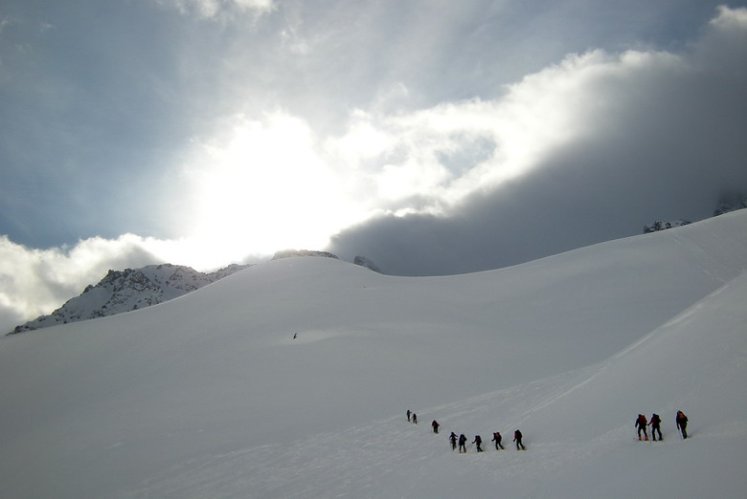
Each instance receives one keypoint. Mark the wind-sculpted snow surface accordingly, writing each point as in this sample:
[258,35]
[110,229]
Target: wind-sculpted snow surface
[210,395]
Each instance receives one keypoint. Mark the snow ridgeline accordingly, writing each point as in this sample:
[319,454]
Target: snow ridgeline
[134,289]
[208,395]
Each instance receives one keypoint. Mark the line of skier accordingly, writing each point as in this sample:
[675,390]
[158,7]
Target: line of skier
[412,417]
[461,440]
[641,423]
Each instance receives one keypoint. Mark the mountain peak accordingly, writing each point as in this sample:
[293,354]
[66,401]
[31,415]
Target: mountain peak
[129,289]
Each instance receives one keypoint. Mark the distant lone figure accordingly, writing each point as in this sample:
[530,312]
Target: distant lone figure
[682,423]
[462,444]
[478,443]
[517,438]
[435,426]
[497,439]
[641,423]
[655,426]
[414,418]
[295,335]
[408,415]
[453,440]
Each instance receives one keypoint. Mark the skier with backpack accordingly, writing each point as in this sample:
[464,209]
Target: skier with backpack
[682,423]
[517,438]
[453,440]
[497,439]
[641,424]
[478,442]
[462,444]
[435,426]
[655,426]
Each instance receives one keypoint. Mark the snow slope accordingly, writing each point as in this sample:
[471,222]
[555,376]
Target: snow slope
[208,395]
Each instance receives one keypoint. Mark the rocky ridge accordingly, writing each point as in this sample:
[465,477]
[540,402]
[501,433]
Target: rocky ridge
[126,290]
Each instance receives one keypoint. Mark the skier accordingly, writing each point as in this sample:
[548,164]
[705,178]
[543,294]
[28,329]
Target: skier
[414,418]
[655,426]
[453,440]
[497,439]
[435,426]
[462,444]
[408,415]
[478,442]
[641,423]
[517,438]
[682,423]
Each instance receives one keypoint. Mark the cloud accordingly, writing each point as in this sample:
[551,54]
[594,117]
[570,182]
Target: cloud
[452,150]
[586,150]
[729,19]
[272,181]
[212,9]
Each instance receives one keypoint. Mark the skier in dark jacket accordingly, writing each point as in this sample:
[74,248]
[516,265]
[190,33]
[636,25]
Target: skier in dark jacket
[462,444]
[435,426]
[655,426]
[409,412]
[414,418]
[682,423]
[517,438]
[453,440]
[641,423]
[478,442]
[497,438]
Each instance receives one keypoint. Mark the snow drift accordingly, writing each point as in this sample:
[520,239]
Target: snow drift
[209,395]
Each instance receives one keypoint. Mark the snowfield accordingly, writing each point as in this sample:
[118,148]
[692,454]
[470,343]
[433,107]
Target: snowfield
[209,395]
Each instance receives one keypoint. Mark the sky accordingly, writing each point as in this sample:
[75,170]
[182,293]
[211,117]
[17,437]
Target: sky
[433,137]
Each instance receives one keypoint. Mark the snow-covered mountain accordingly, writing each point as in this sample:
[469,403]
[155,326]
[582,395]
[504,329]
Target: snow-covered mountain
[126,290]
[210,395]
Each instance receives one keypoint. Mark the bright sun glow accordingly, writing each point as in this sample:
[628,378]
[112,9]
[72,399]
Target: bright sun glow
[265,188]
